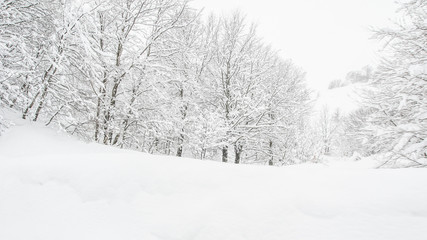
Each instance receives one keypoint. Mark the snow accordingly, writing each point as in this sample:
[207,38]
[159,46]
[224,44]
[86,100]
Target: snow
[416,70]
[53,186]
[346,99]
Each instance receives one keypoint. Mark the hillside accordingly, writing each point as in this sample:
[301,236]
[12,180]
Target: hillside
[55,187]
[345,99]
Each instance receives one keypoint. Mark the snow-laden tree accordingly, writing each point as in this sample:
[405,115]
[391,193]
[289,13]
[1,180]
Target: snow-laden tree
[25,25]
[151,75]
[253,96]
[363,75]
[126,70]
[55,78]
[234,41]
[329,127]
[276,129]
[398,127]
[206,129]
[237,72]
[186,60]
[43,61]
[351,138]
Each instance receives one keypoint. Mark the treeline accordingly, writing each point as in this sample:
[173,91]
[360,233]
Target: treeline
[155,76]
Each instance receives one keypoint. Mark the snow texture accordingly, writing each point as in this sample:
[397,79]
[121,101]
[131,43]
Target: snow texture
[55,187]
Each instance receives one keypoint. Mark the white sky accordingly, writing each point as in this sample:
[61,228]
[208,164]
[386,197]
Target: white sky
[327,38]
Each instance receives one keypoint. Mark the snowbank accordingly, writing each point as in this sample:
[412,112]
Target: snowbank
[55,187]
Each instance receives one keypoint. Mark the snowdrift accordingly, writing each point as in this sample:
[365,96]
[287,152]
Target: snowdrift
[55,187]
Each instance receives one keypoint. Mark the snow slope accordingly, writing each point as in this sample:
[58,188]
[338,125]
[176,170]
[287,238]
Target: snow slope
[345,99]
[54,187]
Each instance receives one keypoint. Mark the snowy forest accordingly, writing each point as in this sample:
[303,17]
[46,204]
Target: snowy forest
[172,120]
[161,77]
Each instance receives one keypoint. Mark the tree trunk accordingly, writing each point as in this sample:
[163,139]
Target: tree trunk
[106,121]
[238,149]
[98,114]
[103,89]
[179,151]
[180,143]
[100,105]
[168,147]
[47,78]
[202,153]
[225,154]
[24,115]
[270,161]
[41,103]
[183,110]
[106,125]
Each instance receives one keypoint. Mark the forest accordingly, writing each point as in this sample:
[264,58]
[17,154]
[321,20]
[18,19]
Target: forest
[161,77]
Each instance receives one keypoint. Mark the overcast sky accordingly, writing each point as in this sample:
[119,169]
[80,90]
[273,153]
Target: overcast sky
[327,38]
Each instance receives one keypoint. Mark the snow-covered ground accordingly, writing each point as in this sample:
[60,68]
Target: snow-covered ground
[54,187]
